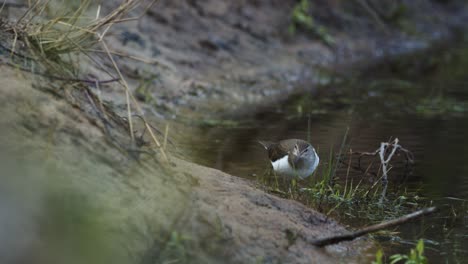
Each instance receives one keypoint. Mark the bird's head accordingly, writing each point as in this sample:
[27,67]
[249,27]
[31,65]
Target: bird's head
[303,153]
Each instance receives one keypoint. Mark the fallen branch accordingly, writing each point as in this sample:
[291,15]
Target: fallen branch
[321,242]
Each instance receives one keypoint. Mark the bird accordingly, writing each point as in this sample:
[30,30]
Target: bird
[292,158]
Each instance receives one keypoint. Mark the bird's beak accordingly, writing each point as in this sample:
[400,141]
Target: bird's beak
[296,158]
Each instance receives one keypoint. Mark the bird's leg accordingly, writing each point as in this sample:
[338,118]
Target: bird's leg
[293,187]
[289,184]
[276,180]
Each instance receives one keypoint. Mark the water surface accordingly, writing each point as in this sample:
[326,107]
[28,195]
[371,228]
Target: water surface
[425,108]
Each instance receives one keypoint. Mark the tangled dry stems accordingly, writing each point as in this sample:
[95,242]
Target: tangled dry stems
[48,41]
[386,152]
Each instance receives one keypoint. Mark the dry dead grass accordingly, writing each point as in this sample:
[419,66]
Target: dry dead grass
[55,43]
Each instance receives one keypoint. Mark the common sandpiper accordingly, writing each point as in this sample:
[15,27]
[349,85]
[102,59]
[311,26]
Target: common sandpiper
[292,158]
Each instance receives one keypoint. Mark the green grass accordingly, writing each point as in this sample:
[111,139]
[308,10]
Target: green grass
[350,199]
[301,19]
[177,249]
[415,256]
[355,198]
[342,196]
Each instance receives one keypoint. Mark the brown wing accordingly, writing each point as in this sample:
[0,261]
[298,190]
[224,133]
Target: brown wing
[284,147]
[275,152]
[278,150]
[266,144]
[272,148]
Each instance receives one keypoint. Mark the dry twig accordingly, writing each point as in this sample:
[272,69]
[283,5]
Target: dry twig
[385,153]
[321,242]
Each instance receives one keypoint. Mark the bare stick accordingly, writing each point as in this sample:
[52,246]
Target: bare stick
[391,148]
[408,155]
[385,162]
[321,242]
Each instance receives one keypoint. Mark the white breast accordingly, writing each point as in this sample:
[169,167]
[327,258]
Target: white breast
[282,168]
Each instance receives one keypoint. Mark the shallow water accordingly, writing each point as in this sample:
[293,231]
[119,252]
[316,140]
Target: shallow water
[427,112]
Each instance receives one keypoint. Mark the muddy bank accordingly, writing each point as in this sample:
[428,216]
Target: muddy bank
[65,181]
[251,221]
[213,57]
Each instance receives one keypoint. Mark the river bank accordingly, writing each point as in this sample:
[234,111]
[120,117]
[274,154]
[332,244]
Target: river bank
[195,61]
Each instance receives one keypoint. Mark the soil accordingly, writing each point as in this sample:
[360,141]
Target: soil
[54,152]
[190,60]
[219,57]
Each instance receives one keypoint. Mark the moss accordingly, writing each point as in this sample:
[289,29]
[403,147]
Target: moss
[143,93]
[439,105]
[301,19]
